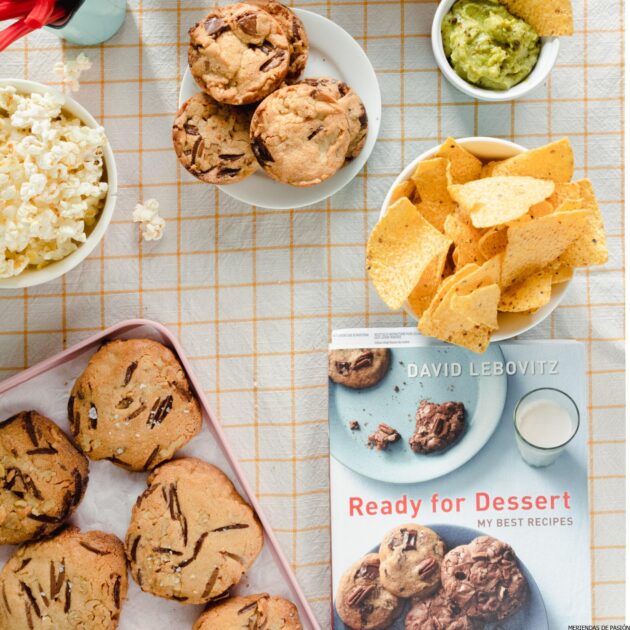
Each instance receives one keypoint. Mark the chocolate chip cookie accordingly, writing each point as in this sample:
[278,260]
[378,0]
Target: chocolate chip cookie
[383,437]
[358,368]
[411,556]
[484,580]
[43,477]
[438,611]
[438,425]
[191,536]
[353,106]
[212,140]
[295,32]
[133,405]
[300,135]
[251,612]
[362,603]
[238,54]
[74,580]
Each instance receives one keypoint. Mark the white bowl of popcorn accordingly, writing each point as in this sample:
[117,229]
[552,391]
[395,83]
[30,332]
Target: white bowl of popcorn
[58,183]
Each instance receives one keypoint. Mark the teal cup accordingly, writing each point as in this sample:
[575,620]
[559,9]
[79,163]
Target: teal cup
[91,22]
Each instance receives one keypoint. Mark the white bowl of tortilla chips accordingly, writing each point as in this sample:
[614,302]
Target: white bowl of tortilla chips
[478,238]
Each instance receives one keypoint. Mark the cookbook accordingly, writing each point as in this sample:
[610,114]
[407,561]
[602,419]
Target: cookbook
[459,484]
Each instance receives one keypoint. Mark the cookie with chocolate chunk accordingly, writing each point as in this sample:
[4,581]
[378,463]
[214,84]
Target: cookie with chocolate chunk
[133,405]
[43,477]
[438,611]
[238,54]
[358,368]
[251,612]
[438,426]
[212,140]
[361,602]
[484,580]
[411,556]
[296,35]
[300,135]
[73,580]
[191,535]
[353,106]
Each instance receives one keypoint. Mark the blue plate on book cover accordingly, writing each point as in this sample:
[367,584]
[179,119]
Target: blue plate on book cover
[532,616]
[481,387]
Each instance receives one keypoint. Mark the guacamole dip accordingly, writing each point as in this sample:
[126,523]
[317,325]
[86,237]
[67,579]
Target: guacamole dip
[488,46]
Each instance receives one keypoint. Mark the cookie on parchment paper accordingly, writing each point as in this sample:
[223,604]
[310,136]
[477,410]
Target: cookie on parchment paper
[73,580]
[261,611]
[133,405]
[191,535]
[43,477]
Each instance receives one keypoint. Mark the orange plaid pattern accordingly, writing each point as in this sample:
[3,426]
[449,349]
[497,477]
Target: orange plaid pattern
[254,294]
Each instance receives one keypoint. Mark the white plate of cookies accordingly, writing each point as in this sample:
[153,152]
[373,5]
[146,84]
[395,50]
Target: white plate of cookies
[280,108]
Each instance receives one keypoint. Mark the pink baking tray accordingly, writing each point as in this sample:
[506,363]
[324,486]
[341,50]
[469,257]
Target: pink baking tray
[142,328]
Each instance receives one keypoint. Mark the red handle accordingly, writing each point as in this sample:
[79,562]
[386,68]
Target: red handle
[10,9]
[21,28]
[40,14]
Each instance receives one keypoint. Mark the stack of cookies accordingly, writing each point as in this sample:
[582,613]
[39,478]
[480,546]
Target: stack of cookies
[191,535]
[472,584]
[254,110]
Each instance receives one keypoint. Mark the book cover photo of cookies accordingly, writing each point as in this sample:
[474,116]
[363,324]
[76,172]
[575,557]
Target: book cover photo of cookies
[458,483]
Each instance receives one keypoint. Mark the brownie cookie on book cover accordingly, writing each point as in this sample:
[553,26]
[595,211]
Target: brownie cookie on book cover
[133,405]
[438,426]
[484,580]
[43,477]
[191,535]
[438,611]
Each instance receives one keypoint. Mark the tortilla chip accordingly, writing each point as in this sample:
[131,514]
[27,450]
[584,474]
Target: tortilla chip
[528,295]
[480,306]
[564,192]
[560,272]
[466,239]
[442,322]
[493,242]
[553,161]
[488,168]
[549,18]
[465,167]
[401,246]
[533,245]
[422,294]
[590,247]
[404,189]
[432,178]
[496,200]
[541,209]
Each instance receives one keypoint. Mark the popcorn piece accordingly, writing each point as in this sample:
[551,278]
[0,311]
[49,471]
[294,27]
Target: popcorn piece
[151,223]
[70,72]
[51,193]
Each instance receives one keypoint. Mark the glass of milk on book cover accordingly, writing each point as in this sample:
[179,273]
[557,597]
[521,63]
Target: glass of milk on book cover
[546,420]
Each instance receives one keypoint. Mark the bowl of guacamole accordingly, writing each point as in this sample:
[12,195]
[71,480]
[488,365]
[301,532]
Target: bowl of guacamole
[489,53]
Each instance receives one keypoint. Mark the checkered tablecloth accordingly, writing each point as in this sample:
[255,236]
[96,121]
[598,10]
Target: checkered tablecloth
[254,294]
